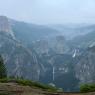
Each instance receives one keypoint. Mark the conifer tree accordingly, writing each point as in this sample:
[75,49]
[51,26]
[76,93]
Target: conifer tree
[2,68]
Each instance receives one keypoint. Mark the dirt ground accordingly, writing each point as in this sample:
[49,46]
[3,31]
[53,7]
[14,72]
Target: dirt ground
[15,89]
[93,93]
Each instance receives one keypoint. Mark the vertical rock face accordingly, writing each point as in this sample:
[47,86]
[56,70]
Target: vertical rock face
[41,47]
[85,69]
[60,45]
[5,26]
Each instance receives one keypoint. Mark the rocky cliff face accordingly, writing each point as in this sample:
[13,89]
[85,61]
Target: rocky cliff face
[5,26]
[70,67]
[85,68]
[18,59]
[57,44]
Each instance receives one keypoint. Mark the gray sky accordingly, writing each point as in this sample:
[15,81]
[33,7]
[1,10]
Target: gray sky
[49,11]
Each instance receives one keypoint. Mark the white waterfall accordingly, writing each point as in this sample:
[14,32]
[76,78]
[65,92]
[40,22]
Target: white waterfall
[74,55]
[53,73]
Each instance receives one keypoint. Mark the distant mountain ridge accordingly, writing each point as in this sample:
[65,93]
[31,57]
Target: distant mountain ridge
[72,30]
[29,33]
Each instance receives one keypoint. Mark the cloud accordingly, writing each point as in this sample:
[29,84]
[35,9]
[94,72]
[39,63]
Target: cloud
[49,11]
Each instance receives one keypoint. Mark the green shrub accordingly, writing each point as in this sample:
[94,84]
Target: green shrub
[4,80]
[87,88]
[4,94]
[36,84]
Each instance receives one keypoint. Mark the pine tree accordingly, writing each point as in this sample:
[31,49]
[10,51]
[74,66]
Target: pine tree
[2,68]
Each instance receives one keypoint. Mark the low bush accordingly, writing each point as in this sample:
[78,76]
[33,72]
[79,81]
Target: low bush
[4,80]
[87,88]
[36,84]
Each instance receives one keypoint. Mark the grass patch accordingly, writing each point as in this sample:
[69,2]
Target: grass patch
[4,94]
[37,85]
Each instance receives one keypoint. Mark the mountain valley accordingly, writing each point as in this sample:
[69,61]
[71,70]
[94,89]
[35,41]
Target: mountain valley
[43,53]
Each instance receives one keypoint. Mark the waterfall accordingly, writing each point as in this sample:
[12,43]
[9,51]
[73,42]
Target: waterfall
[53,73]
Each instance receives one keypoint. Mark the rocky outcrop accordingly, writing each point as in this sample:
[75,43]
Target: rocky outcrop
[5,26]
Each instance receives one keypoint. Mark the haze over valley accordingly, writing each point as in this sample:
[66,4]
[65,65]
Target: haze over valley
[51,42]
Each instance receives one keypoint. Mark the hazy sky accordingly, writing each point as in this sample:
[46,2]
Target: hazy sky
[49,11]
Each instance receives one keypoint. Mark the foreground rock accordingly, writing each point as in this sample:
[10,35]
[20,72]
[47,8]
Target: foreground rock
[15,89]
